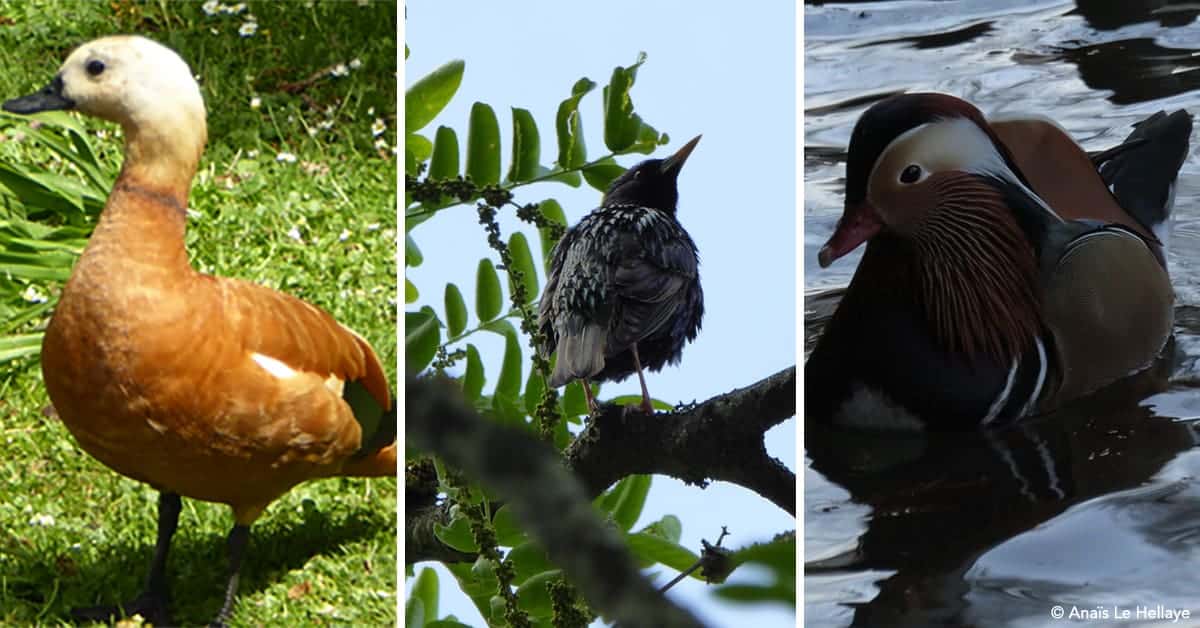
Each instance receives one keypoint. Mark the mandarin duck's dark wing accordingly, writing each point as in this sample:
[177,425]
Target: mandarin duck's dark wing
[1141,171]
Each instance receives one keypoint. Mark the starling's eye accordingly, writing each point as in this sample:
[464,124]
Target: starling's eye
[911,174]
[95,67]
[637,174]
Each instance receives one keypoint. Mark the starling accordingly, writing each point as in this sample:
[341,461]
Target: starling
[624,289]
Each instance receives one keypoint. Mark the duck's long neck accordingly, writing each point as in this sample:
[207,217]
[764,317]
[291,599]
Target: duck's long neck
[162,151]
[976,273]
[144,219]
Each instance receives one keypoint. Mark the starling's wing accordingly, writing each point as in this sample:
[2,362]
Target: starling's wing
[653,285]
[574,311]
[546,307]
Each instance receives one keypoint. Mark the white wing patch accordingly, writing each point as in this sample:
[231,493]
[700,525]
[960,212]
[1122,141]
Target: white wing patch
[276,368]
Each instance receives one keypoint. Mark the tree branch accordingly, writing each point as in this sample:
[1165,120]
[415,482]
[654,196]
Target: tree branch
[719,439]
[546,499]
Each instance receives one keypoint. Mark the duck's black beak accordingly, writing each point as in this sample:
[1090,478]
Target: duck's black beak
[48,98]
[674,163]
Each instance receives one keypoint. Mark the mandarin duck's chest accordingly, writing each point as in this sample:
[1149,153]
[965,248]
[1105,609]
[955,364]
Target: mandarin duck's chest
[893,373]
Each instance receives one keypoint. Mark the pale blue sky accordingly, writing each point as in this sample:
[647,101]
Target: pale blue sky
[724,72]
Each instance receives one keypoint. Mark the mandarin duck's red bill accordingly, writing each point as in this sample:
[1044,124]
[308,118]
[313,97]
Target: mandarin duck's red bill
[200,386]
[1005,273]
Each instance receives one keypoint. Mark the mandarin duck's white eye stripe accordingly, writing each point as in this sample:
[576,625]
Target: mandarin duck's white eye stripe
[949,144]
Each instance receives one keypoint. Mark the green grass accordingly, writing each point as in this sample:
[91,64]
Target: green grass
[74,533]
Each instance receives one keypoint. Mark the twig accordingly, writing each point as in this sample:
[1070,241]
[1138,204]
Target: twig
[707,555]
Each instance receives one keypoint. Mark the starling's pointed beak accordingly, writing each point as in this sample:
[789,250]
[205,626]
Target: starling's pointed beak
[49,98]
[674,163]
[858,224]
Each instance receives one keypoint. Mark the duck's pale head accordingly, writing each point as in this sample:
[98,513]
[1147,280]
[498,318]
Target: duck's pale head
[912,158]
[141,85]
[125,79]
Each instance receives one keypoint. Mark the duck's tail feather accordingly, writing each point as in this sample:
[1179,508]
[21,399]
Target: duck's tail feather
[381,463]
[1141,171]
[377,454]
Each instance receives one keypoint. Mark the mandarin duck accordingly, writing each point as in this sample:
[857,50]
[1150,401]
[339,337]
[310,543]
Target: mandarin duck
[1001,276]
[205,387]
[623,291]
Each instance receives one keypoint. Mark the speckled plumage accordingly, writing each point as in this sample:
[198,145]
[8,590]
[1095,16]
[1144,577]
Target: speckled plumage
[626,275]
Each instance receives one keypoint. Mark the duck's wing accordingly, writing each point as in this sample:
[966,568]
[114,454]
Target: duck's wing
[288,345]
[1061,172]
[1108,302]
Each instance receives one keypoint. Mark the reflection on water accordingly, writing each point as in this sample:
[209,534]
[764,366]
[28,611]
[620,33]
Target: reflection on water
[1095,505]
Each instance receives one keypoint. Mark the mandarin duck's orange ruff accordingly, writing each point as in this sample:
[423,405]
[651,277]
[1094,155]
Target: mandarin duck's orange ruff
[200,386]
[1005,272]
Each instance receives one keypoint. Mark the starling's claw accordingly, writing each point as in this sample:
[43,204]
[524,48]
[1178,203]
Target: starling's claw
[647,407]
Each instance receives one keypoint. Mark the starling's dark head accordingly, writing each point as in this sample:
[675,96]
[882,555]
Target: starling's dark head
[652,182]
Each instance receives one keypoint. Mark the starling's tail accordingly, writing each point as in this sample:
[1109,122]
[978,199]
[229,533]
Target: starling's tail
[580,354]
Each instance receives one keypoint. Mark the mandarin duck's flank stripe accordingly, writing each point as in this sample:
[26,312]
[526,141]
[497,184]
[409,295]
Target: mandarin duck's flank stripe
[203,387]
[1001,276]
[623,291]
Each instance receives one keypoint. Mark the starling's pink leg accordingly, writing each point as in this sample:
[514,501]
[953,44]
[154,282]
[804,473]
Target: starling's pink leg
[646,407]
[587,394]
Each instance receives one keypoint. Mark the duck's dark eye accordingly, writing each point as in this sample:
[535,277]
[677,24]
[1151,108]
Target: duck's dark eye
[95,67]
[910,174]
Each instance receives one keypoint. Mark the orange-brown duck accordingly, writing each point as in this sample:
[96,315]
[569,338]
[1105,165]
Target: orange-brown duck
[200,386]
[1001,276]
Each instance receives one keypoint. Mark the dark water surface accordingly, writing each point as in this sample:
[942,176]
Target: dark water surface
[1096,508]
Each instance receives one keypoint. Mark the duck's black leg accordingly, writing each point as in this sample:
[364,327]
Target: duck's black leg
[153,602]
[237,548]
[646,406]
